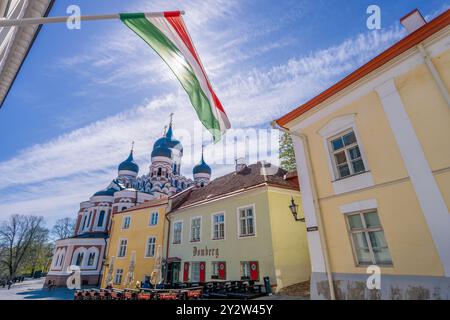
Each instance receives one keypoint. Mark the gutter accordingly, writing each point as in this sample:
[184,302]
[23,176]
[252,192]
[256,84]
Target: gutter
[317,209]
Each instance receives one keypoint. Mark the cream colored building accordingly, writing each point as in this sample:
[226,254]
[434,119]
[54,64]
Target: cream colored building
[238,227]
[373,155]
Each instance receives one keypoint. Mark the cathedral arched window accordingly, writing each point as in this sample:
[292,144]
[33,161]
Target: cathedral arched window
[159,172]
[79,259]
[101,217]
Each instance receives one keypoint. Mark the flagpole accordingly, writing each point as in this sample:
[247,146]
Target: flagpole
[32,21]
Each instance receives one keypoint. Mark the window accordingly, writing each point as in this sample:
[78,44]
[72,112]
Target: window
[177,229]
[346,155]
[250,270]
[118,276]
[218,270]
[126,222]
[151,243]
[91,259]
[89,220]
[245,270]
[84,223]
[159,172]
[368,238]
[154,218]
[79,260]
[124,208]
[218,226]
[195,271]
[101,217]
[246,222]
[195,229]
[122,248]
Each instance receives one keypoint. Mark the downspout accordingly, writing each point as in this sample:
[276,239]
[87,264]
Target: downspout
[437,78]
[167,242]
[317,209]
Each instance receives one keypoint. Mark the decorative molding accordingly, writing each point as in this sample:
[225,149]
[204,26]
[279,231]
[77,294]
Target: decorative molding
[359,206]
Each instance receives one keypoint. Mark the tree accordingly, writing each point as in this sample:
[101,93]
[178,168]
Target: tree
[63,228]
[287,156]
[18,236]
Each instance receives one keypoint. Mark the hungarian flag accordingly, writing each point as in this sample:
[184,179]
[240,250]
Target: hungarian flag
[168,36]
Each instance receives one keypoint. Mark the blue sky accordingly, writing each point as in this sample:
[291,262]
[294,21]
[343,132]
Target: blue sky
[82,96]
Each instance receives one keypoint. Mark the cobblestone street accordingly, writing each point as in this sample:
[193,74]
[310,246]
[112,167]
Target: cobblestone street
[32,290]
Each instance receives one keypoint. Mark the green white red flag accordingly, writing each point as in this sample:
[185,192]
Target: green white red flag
[169,37]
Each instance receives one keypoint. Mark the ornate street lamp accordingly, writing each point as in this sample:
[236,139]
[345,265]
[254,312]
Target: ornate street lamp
[294,210]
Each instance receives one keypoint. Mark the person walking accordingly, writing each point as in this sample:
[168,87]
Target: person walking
[9,283]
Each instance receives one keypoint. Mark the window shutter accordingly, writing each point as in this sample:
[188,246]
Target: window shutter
[222,270]
[186,272]
[202,272]
[254,270]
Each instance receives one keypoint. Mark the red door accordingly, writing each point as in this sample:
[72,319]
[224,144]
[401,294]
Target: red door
[254,270]
[222,270]
[202,271]
[186,272]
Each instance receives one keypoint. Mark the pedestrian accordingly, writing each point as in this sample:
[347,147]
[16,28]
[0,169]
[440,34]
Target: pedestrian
[9,283]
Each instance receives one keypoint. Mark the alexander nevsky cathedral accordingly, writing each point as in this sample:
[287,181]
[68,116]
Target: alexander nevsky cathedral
[128,189]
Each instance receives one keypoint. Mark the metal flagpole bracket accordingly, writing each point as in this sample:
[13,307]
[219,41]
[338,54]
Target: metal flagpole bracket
[34,21]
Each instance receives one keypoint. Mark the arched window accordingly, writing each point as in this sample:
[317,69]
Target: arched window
[174,168]
[79,260]
[167,174]
[101,217]
[202,184]
[91,259]
[159,172]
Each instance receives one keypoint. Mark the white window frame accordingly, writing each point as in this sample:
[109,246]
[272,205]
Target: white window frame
[119,246]
[224,226]
[344,149]
[151,219]
[365,230]
[334,128]
[147,245]
[191,271]
[124,218]
[116,274]
[181,232]
[240,236]
[200,231]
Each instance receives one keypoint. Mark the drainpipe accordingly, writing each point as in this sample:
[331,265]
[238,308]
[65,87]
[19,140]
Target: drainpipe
[167,245]
[317,209]
[437,78]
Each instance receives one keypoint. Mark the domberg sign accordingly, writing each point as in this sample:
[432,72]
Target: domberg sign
[203,252]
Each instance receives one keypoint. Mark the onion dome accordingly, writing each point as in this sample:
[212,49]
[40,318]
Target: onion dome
[162,151]
[168,141]
[106,192]
[129,164]
[202,167]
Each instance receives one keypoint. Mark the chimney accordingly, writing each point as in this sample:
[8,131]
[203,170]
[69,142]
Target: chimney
[240,164]
[413,21]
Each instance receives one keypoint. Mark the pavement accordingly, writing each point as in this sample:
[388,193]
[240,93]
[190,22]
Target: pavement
[31,289]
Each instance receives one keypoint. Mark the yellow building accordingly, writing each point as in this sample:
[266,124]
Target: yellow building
[135,245]
[373,155]
[237,227]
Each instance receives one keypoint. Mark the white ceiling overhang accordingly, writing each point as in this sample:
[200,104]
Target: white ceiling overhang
[15,42]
